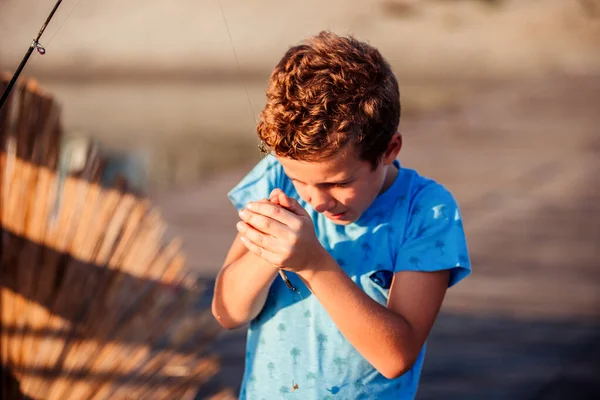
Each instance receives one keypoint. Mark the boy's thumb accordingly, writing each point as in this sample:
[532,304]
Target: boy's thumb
[278,197]
[274,197]
[290,204]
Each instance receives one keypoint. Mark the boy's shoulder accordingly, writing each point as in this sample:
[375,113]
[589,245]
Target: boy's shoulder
[414,192]
[426,189]
[432,234]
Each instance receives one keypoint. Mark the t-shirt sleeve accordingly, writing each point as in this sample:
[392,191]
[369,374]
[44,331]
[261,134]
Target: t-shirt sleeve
[434,239]
[266,175]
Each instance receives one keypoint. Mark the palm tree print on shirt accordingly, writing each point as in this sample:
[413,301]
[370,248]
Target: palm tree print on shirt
[322,339]
[281,329]
[416,209]
[251,381]
[358,385]
[311,377]
[295,352]
[366,248]
[307,315]
[339,363]
[415,262]
[440,244]
[271,368]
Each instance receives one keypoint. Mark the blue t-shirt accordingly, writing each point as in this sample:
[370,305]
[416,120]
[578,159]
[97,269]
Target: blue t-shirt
[415,225]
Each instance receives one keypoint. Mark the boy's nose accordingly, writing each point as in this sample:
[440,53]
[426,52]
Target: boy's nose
[321,201]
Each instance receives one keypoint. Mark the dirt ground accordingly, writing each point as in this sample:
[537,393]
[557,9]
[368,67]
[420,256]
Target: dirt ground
[523,161]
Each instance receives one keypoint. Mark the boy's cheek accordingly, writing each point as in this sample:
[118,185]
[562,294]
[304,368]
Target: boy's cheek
[348,197]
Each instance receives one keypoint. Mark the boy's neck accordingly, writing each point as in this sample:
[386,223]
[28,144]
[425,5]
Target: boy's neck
[390,176]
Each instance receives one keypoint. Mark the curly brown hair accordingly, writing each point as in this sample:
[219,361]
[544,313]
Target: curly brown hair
[327,92]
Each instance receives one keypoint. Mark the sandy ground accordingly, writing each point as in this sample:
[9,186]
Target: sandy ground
[523,162]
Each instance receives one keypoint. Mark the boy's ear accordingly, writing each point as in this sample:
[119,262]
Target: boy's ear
[393,148]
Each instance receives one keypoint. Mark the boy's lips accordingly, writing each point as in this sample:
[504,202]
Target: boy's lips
[335,216]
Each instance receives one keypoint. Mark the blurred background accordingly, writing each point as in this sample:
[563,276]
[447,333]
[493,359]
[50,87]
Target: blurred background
[501,103]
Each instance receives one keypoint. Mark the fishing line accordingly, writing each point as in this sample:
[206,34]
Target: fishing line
[61,25]
[238,63]
[282,273]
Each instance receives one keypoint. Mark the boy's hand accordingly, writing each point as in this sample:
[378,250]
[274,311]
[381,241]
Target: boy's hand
[281,232]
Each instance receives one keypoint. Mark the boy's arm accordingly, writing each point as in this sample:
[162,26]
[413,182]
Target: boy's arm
[389,338]
[241,287]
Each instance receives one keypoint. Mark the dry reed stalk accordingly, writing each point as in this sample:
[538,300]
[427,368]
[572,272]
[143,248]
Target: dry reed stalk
[93,303]
[131,308]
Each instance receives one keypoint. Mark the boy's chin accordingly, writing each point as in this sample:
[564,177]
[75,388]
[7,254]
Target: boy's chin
[338,222]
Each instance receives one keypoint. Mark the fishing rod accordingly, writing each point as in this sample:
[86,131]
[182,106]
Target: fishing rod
[35,45]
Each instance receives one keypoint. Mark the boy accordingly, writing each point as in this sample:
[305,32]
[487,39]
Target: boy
[370,246]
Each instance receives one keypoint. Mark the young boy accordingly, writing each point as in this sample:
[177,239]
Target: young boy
[370,246]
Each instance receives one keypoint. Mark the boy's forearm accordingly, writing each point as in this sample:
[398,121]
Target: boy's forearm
[241,290]
[382,337]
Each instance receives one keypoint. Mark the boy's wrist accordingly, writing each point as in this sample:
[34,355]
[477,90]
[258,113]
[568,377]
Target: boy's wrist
[323,262]
[262,268]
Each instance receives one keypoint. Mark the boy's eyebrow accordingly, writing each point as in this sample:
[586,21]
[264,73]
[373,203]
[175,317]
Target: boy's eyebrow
[344,180]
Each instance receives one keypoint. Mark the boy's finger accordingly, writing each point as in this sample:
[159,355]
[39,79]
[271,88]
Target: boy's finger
[256,243]
[259,251]
[275,194]
[292,205]
[275,200]
[274,211]
[283,200]
[258,238]
[263,223]
[278,196]
[260,201]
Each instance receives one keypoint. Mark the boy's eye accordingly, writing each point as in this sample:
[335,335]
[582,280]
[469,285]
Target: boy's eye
[341,184]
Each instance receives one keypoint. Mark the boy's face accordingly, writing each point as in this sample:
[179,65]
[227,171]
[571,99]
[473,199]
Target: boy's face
[343,187]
